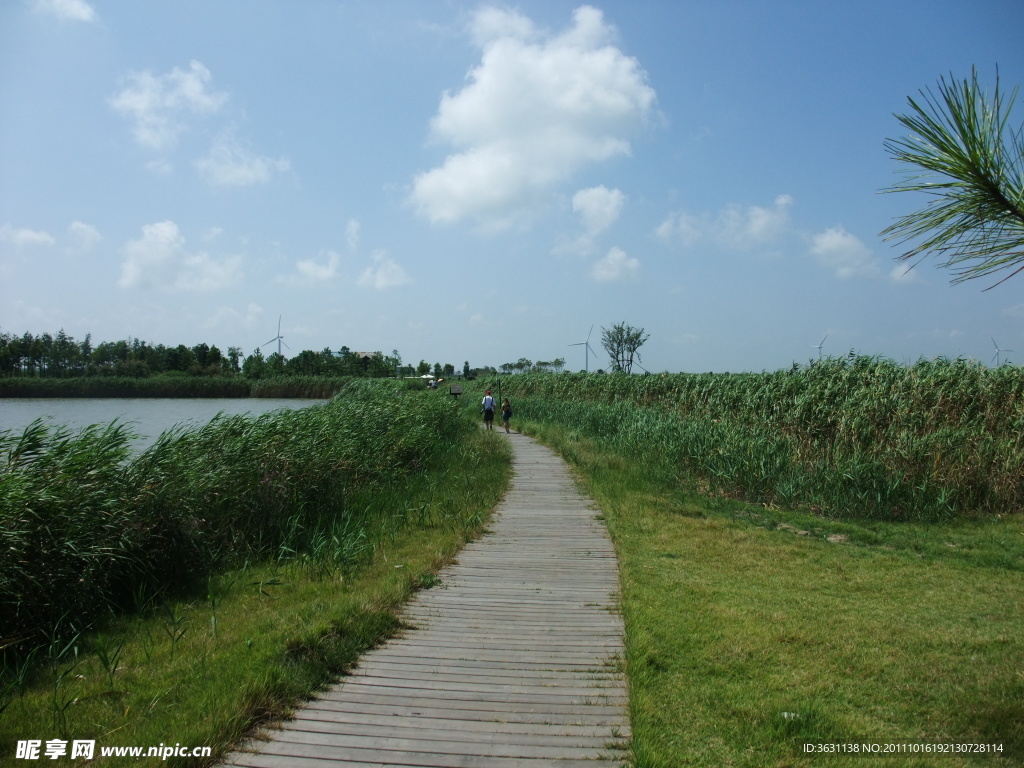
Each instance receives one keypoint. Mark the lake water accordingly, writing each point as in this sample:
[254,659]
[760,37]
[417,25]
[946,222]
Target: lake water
[147,416]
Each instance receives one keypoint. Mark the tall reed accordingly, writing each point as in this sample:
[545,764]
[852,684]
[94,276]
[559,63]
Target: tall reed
[86,529]
[314,387]
[856,436]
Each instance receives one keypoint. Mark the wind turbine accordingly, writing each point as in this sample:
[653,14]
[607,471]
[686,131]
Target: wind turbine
[998,350]
[279,338]
[586,348]
[820,344]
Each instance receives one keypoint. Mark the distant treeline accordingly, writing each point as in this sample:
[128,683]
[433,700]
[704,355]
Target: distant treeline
[60,357]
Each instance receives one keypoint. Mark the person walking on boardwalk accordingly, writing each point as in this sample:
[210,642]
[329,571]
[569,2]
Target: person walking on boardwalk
[489,407]
[506,413]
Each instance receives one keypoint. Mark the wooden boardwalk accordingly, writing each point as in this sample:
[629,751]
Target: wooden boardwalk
[515,661]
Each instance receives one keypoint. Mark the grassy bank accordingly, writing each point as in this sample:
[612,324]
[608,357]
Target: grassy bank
[88,531]
[753,630]
[314,387]
[290,541]
[854,437]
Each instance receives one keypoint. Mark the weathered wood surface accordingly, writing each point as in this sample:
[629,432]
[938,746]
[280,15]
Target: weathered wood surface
[515,660]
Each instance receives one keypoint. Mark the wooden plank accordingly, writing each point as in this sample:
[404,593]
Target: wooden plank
[433,727]
[340,755]
[612,717]
[513,661]
[335,744]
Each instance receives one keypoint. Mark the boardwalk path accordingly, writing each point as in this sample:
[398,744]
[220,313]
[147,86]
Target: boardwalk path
[514,662]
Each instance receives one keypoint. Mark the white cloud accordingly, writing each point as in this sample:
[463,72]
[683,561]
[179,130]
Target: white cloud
[902,274]
[201,272]
[66,10]
[489,24]
[599,207]
[615,266]
[159,104]
[734,227]
[843,253]
[159,259]
[230,164]
[1017,310]
[160,167]
[352,234]
[84,235]
[160,245]
[311,271]
[384,274]
[535,110]
[21,238]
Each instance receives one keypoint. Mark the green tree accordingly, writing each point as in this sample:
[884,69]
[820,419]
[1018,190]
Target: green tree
[255,367]
[622,343]
[966,156]
[306,363]
[381,366]
[275,365]
[201,352]
[234,355]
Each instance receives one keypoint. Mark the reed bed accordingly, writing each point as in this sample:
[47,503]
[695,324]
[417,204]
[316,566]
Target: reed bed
[87,530]
[312,387]
[857,437]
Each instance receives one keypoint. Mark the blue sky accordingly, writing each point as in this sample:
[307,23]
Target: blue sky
[485,182]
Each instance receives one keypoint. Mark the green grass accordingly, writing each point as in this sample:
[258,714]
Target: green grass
[750,633]
[206,667]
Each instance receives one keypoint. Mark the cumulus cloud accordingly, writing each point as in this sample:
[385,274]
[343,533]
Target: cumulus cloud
[616,266]
[229,163]
[352,230]
[537,108]
[844,254]
[84,235]
[383,274]
[312,271]
[902,274]
[159,105]
[159,259]
[66,10]
[160,167]
[598,207]
[21,238]
[734,227]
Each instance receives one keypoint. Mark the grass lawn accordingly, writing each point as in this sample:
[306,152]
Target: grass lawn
[752,632]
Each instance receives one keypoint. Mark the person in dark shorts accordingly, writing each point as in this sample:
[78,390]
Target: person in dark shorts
[506,413]
[489,407]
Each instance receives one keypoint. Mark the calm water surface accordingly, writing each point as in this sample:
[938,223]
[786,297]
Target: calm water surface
[147,416]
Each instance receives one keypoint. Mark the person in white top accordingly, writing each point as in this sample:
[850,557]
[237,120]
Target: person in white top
[489,408]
